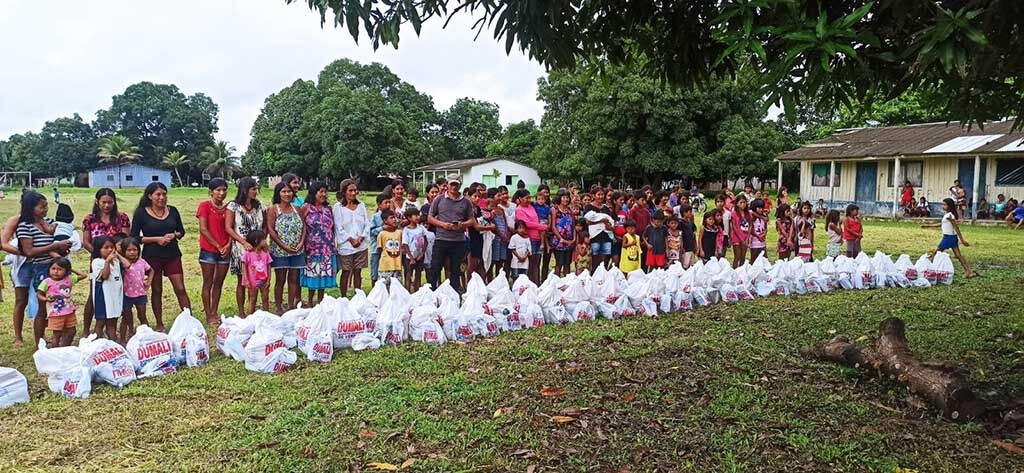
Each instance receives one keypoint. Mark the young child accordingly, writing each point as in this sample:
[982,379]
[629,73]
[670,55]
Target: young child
[922,208]
[759,229]
[784,227]
[630,258]
[709,236]
[804,232]
[853,233]
[673,242]
[55,291]
[654,241]
[983,210]
[835,234]
[821,210]
[688,230]
[414,248]
[739,223]
[108,287]
[64,228]
[137,276]
[582,254]
[520,247]
[951,236]
[390,243]
[256,270]
[376,225]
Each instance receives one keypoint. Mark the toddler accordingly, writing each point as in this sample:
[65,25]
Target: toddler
[256,270]
[55,291]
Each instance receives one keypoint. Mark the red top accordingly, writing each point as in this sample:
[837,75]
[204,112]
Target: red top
[908,196]
[853,225]
[215,224]
[641,216]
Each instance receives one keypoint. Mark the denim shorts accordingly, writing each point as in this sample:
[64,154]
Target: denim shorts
[209,257]
[289,262]
[603,248]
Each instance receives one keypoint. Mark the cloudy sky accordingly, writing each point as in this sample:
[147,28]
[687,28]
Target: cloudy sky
[66,56]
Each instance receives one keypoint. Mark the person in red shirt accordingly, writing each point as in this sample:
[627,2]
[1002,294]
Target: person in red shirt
[214,247]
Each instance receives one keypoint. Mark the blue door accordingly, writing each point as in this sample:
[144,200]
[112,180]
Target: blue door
[867,182]
[965,172]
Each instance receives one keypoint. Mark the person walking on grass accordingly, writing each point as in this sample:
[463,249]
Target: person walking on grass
[951,236]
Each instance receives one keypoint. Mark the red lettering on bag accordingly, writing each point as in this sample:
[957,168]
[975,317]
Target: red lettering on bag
[70,387]
[222,332]
[351,326]
[325,349]
[154,349]
[270,347]
[281,367]
[393,338]
[302,333]
[123,372]
[430,335]
[108,354]
[201,355]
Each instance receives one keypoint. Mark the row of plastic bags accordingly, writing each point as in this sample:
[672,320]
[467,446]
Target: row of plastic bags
[72,371]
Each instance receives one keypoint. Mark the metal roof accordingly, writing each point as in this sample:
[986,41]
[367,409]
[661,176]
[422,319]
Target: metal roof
[455,165]
[912,140]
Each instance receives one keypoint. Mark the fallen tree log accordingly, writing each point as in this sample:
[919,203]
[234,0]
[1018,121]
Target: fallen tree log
[942,384]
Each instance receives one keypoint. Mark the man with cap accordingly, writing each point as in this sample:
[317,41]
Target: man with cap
[450,214]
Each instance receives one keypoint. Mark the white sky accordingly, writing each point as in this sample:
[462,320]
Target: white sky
[60,57]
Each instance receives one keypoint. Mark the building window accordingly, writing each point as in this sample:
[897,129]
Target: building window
[156,178]
[1010,172]
[110,178]
[819,174]
[912,171]
[129,178]
[511,180]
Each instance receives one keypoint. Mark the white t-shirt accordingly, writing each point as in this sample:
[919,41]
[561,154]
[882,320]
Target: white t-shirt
[416,239]
[521,246]
[113,286]
[947,224]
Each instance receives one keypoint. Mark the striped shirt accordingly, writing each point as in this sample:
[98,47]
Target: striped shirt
[39,238]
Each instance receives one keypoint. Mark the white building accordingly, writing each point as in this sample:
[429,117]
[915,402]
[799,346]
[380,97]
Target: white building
[492,172]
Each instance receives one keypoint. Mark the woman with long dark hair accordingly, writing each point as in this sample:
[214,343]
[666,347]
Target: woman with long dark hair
[352,236]
[295,182]
[287,239]
[35,242]
[318,274]
[105,220]
[244,215]
[159,227]
[214,247]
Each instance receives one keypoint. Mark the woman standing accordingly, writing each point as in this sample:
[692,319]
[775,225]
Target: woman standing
[295,182]
[398,198]
[287,235]
[244,215]
[9,242]
[105,220]
[35,241]
[214,247]
[158,226]
[352,236]
[318,274]
[563,234]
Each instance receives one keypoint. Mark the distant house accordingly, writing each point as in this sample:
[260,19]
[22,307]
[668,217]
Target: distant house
[130,175]
[492,172]
[867,166]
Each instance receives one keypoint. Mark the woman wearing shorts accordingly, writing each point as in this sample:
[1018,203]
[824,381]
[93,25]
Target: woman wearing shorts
[244,215]
[287,236]
[214,247]
[352,236]
[105,220]
[158,226]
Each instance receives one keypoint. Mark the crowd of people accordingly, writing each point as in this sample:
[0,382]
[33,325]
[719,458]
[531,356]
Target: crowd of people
[1003,209]
[305,242]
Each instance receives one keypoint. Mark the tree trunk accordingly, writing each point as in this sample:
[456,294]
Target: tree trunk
[940,383]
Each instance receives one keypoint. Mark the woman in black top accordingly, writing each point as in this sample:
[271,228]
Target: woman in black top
[158,226]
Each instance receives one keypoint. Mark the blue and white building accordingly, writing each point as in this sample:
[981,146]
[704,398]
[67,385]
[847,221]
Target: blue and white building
[130,175]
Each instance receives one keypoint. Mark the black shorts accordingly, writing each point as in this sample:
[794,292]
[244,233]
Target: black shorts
[563,257]
[476,247]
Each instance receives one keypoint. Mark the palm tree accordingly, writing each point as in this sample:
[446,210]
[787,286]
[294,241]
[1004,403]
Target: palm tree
[118,150]
[219,160]
[175,160]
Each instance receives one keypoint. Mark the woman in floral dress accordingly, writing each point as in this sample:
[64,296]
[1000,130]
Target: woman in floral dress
[318,274]
[244,215]
[287,232]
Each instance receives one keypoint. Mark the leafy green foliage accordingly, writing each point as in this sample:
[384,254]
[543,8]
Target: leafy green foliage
[219,160]
[67,146]
[277,146]
[964,55]
[159,118]
[118,150]
[516,142]
[175,160]
[468,127]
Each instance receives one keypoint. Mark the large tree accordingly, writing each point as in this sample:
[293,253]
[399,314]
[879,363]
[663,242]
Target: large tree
[516,142]
[276,146]
[67,146]
[219,160]
[159,118]
[468,127]
[626,126]
[964,54]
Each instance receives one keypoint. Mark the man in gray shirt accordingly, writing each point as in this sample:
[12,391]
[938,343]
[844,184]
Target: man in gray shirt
[450,214]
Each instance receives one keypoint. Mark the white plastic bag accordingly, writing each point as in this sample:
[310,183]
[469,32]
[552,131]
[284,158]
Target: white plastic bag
[700,296]
[378,294]
[13,387]
[316,331]
[905,266]
[264,342]
[188,332]
[728,293]
[498,284]
[391,322]
[348,324]
[54,360]
[943,269]
[521,284]
[277,361]
[108,361]
[622,308]
[365,341]
[423,326]
[584,311]
[531,315]
[682,300]
[925,269]
[232,335]
[151,353]
[74,382]
[445,291]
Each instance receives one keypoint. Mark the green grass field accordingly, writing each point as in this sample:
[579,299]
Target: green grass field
[721,388]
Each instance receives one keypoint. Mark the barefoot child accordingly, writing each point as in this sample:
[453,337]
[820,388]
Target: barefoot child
[708,237]
[630,258]
[853,233]
[758,229]
[951,236]
[519,245]
[138,276]
[55,291]
[108,287]
[739,222]
[835,234]
[256,270]
[414,247]
[784,227]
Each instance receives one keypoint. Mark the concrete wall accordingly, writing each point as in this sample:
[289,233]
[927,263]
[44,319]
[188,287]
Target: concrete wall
[506,169]
[131,175]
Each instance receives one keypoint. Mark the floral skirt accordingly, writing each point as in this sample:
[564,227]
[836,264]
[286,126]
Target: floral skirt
[319,272]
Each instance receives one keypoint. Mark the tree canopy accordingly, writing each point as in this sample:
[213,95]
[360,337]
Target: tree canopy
[963,55]
[468,127]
